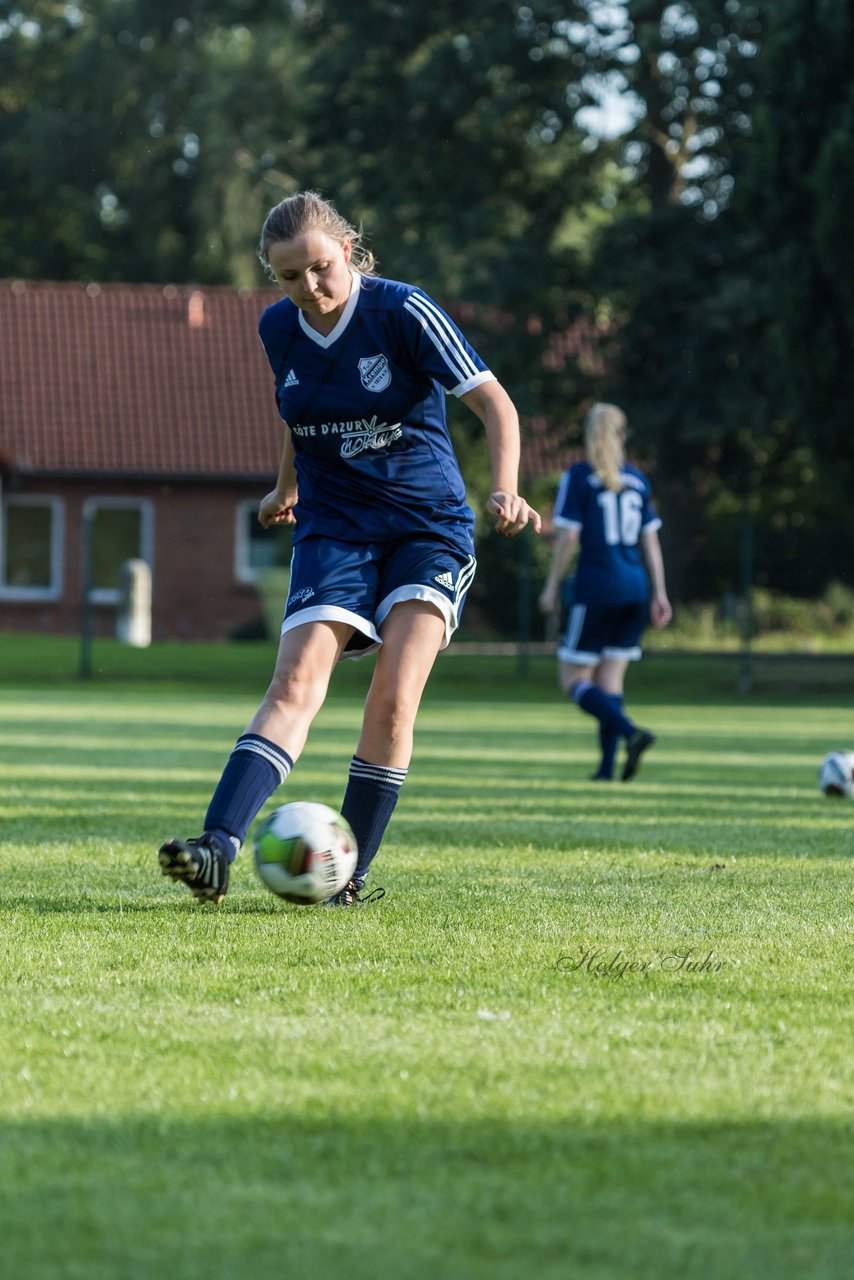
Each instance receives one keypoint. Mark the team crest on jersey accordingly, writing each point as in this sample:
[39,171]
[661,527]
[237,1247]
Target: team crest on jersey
[374,372]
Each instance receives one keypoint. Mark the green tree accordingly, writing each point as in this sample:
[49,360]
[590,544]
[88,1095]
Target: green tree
[133,137]
[730,289]
[143,140]
[688,71]
[797,193]
[675,269]
[800,192]
[450,133]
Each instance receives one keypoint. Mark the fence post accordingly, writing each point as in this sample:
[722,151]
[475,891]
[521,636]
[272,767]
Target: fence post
[523,637]
[86,524]
[745,674]
[133,623]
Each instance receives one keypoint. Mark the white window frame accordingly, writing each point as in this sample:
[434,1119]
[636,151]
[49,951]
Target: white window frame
[145,506]
[57,546]
[243,570]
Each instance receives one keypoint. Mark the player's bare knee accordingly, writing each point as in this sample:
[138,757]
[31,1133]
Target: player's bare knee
[295,686]
[392,714]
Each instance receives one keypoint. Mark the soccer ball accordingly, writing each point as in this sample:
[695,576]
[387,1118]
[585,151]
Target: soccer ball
[836,774]
[305,852]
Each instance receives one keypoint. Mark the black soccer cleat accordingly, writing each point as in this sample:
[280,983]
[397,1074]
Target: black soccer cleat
[200,864]
[352,896]
[637,744]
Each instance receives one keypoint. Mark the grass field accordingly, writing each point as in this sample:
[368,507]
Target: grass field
[590,1031]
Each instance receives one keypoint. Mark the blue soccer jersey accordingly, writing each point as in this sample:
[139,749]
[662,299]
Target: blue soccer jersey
[609,570]
[366,408]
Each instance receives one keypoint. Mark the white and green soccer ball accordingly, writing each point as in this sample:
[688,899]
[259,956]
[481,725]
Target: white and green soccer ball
[305,852]
[836,774]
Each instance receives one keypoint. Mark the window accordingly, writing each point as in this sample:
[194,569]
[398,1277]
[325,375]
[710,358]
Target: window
[30,547]
[120,529]
[257,548]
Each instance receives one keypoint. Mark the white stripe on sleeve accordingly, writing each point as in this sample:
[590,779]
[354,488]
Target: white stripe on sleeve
[443,336]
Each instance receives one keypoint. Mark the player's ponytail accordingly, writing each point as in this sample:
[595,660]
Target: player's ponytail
[303,212]
[604,441]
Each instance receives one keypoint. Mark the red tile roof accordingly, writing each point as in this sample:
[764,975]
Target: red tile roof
[135,380]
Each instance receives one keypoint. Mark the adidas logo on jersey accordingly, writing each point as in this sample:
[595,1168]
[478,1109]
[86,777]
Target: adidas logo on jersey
[445,580]
[291,380]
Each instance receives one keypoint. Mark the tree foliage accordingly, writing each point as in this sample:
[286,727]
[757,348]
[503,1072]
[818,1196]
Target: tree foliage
[133,137]
[709,340]
[800,191]
[689,69]
[698,250]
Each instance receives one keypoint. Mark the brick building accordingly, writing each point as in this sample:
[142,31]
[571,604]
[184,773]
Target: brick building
[138,420]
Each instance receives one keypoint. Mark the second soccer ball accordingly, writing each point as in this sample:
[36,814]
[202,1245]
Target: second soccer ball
[836,774]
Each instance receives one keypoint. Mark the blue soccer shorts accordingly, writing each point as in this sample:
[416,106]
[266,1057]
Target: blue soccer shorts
[596,631]
[360,582]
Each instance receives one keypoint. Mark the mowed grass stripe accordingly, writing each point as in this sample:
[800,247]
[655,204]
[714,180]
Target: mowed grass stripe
[461,1081]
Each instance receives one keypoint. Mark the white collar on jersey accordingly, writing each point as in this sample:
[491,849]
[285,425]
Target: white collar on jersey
[326,339]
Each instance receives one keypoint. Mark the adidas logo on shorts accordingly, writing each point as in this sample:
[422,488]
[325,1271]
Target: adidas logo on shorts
[445,580]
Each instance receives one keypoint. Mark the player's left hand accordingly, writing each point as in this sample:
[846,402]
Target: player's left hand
[512,513]
[548,598]
[660,611]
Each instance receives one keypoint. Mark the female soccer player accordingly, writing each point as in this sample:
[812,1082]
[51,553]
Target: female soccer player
[383,549]
[604,507]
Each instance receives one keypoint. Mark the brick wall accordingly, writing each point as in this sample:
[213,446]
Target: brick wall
[195,591]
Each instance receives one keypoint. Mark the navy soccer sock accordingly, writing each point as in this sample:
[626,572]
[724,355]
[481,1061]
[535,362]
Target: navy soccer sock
[608,740]
[599,704]
[255,768]
[372,791]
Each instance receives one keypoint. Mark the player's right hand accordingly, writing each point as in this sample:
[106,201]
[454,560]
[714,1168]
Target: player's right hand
[274,509]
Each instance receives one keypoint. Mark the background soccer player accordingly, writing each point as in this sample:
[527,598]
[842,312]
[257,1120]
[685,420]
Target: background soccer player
[604,510]
[383,541]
